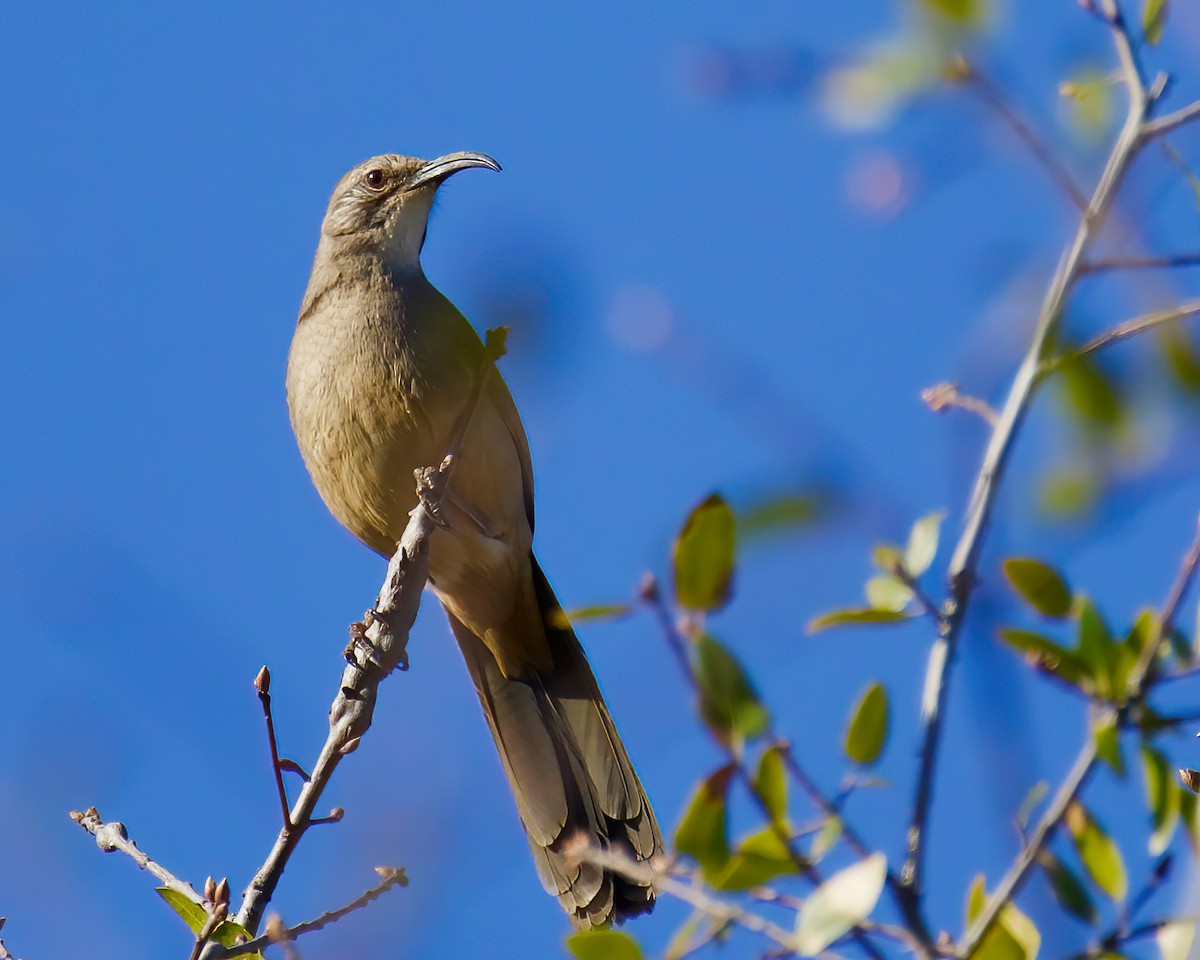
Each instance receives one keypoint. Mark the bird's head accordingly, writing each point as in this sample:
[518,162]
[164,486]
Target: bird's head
[383,204]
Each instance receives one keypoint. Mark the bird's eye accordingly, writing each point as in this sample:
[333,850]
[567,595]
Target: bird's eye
[373,178]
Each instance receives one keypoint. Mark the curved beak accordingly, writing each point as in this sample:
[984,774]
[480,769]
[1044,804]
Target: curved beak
[435,171]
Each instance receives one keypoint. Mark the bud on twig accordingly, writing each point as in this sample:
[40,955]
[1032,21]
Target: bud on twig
[262,682]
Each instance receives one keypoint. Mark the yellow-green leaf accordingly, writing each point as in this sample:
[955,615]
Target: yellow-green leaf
[1097,650]
[603,945]
[839,904]
[728,701]
[600,611]
[760,857]
[770,783]
[962,12]
[189,911]
[826,838]
[887,557]
[1154,16]
[703,833]
[888,593]
[1098,852]
[923,543]
[1108,746]
[1162,796]
[1046,655]
[868,728]
[1039,585]
[1013,937]
[704,556]
[857,616]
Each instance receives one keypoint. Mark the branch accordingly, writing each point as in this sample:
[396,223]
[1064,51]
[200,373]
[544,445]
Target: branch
[277,933]
[943,396]
[112,836]
[1140,679]
[965,559]
[381,650]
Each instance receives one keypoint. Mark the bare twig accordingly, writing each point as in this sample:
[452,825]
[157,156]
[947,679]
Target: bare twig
[262,684]
[990,94]
[943,396]
[278,934]
[383,649]
[112,836]
[1123,331]
[1171,121]
[1141,263]
[965,559]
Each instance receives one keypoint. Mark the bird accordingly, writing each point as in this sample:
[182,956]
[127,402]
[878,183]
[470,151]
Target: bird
[380,367]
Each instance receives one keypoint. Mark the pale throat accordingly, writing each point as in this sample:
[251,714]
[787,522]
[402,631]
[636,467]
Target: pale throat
[401,245]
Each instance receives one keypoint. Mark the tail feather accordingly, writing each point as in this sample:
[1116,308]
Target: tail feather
[568,769]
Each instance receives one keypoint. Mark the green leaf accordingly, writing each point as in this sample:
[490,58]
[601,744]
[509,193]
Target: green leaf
[1068,492]
[962,12]
[888,593]
[1097,650]
[1098,852]
[1108,746]
[1037,793]
[779,513]
[1162,796]
[191,912]
[1089,391]
[829,834]
[760,857]
[603,945]
[1039,585]
[839,904]
[703,833]
[1175,940]
[1068,889]
[729,703]
[868,728]
[887,557]
[1046,655]
[859,616]
[770,783]
[1189,813]
[704,556]
[600,611]
[229,933]
[923,543]
[1180,356]
[1012,937]
[1154,16]
[1089,111]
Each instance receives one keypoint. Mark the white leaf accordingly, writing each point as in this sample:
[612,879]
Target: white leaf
[839,904]
[1175,940]
[923,543]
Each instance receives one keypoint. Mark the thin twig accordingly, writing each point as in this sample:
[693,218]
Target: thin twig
[965,559]
[943,396]
[1171,121]
[382,651]
[991,95]
[112,836]
[1123,331]
[1141,263]
[392,877]
[262,684]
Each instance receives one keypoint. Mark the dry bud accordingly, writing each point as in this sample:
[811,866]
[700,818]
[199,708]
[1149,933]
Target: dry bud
[1191,779]
[262,683]
[648,588]
[210,889]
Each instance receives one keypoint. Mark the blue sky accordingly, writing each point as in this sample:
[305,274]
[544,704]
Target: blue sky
[709,295]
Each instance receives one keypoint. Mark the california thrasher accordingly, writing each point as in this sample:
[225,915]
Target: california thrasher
[380,368]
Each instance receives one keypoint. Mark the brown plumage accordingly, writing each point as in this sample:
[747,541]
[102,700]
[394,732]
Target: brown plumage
[379,370]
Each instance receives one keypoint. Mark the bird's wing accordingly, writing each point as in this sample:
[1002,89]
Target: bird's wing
[503,402]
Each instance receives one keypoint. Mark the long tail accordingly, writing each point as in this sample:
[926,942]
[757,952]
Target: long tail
[568,770]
